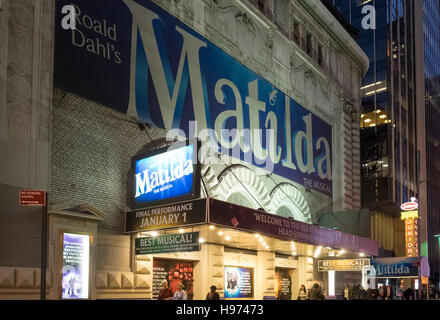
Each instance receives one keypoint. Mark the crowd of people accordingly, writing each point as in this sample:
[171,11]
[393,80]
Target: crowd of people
[316,292]
[355,292]
[166,293]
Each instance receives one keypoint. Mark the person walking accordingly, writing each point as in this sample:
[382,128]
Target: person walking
[354,293]
[315,293]
[212,295]
[388,293]
[362,293]
[165,293]
[408,294]
[180,294]
[372,294]
[381,293]
[302,294]
[346,292]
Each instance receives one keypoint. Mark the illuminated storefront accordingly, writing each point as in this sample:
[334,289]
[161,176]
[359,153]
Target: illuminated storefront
[255,254]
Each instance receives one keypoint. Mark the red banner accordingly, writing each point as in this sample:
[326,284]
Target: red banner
[238,217]
[32,198]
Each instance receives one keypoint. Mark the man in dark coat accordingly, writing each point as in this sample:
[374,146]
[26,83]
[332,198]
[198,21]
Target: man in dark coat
[315,293]
[409,294]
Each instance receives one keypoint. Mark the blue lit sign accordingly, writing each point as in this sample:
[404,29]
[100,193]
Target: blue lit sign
[163,176]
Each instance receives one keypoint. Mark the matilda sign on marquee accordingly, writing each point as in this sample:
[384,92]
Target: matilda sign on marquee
[135,57]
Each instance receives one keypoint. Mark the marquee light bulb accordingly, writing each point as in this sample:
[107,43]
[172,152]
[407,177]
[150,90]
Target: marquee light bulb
[220,233]
[227,238]
[181,230]
[201,240]
[212,227]
[154,233]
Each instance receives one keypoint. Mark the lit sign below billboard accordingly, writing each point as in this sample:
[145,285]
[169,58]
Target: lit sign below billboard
[168,243]
[75,270]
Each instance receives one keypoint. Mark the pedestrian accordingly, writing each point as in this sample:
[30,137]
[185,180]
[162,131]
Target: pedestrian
[381,293]
[346,291]
[315,293]
[362,293]
[302,294]
[180,294]
[323,292]
[372,294]
[212,295]
[388,293]
[409,294]
[165,293]
[354,293]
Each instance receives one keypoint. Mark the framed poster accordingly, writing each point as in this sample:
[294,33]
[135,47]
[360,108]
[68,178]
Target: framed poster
[239,282]
[283,283]
[75,266]
[174,272]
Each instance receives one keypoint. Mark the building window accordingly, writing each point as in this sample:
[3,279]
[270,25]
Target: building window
[320,54]
[309,44]
[261,4]
[297,32]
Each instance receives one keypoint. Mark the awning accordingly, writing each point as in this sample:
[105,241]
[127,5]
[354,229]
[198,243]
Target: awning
[213,211]
[242,218]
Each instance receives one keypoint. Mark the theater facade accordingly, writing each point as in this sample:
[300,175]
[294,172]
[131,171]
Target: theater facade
[197,142]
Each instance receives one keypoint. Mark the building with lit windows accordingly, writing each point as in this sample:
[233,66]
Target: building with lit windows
[399,135]
[431,28]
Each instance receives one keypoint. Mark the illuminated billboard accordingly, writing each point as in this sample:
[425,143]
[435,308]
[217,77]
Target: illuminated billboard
[410,214]
[239,282]
[75,270]
[166,173]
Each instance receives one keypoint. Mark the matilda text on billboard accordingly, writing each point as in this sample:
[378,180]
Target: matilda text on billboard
[165,174]
[145,62]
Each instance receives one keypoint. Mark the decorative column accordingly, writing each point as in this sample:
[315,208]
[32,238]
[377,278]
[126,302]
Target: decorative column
[265,275]
[209,271]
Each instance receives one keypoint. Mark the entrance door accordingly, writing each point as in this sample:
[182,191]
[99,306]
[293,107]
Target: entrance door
[283,283]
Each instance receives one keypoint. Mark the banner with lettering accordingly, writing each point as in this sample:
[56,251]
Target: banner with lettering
[242,218]
[135,57]
[173,215]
